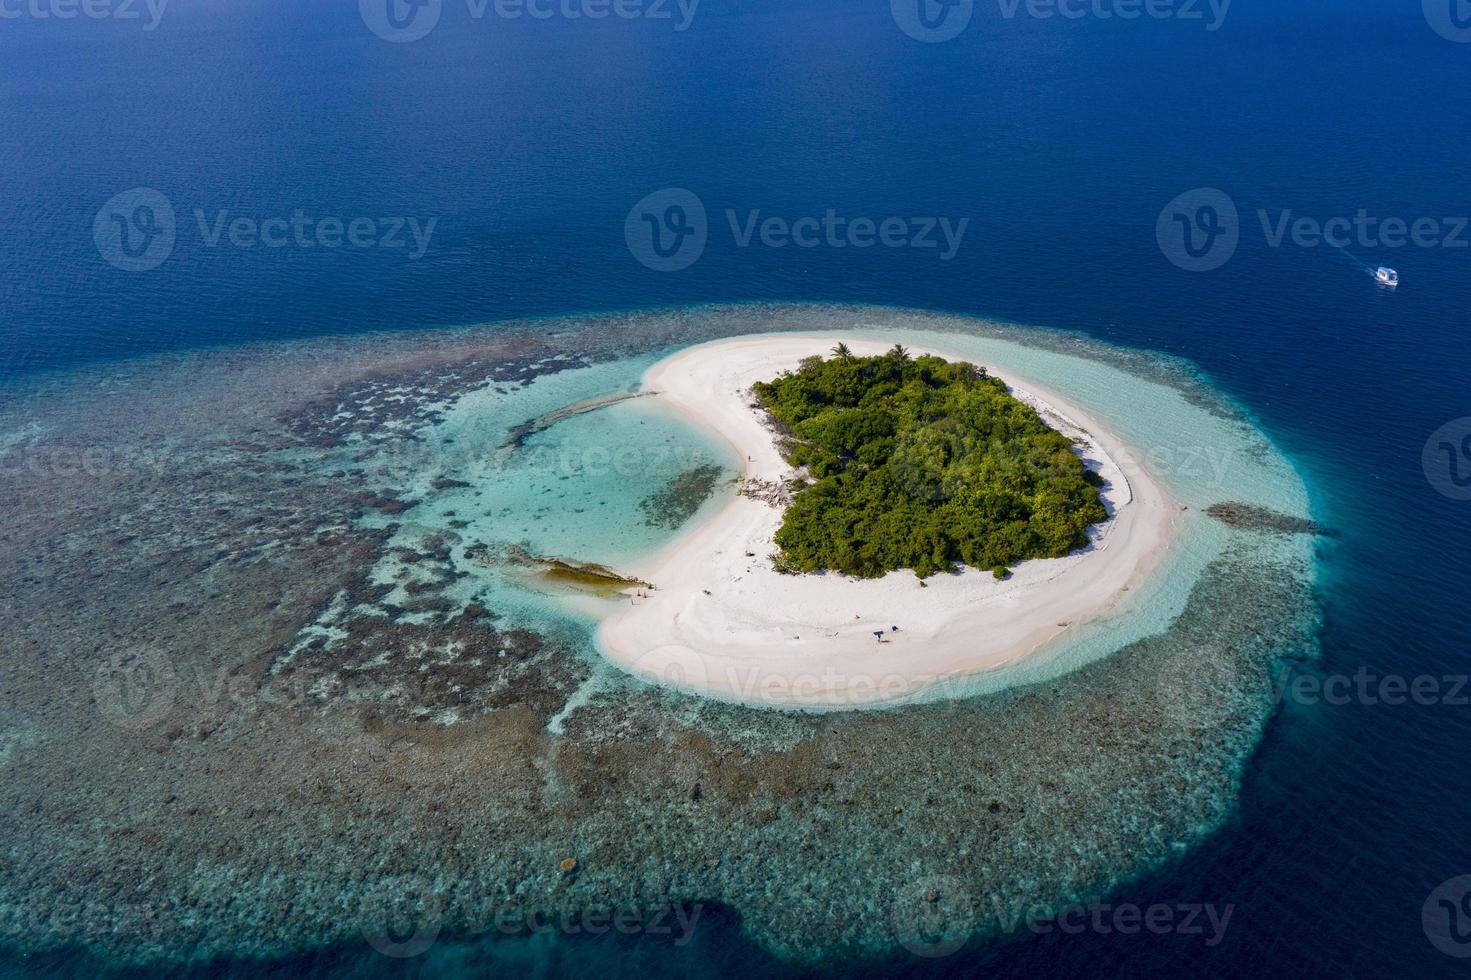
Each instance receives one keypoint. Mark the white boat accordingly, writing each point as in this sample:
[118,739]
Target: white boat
[1387,276]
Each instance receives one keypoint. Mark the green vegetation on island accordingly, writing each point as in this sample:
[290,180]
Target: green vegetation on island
[920,463]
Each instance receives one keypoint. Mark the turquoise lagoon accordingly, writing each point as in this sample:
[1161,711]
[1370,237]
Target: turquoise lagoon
[585,489]
[579,488]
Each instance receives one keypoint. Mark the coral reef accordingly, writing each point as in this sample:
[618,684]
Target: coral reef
[1248,517]
[220,735]
[678,502]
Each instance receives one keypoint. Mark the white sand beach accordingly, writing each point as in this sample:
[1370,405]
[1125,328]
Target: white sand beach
[723,623]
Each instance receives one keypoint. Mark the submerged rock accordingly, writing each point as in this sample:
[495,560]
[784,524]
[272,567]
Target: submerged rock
[677,502]
[1251,518]
[587,576]
[518,435]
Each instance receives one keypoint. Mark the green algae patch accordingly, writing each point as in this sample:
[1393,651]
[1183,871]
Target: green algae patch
[559,573]
[589,576]
[677,502]
[1247,517]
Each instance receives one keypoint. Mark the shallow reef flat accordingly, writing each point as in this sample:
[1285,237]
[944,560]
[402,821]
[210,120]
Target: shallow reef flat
[258,690]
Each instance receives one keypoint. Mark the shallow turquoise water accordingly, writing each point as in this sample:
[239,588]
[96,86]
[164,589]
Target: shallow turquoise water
[574,490]
[577,490]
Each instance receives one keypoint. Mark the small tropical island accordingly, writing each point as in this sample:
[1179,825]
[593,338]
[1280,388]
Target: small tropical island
[907,521]
[923,464]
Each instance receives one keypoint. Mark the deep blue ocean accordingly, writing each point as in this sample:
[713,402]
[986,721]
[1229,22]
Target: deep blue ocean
[528,142]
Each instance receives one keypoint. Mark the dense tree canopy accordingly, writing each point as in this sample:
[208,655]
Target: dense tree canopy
[920,463]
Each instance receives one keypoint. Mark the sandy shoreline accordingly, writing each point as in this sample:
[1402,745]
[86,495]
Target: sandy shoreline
[724,623]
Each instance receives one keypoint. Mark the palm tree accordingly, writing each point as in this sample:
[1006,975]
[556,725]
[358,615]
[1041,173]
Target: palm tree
[842,352]
[899,353]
